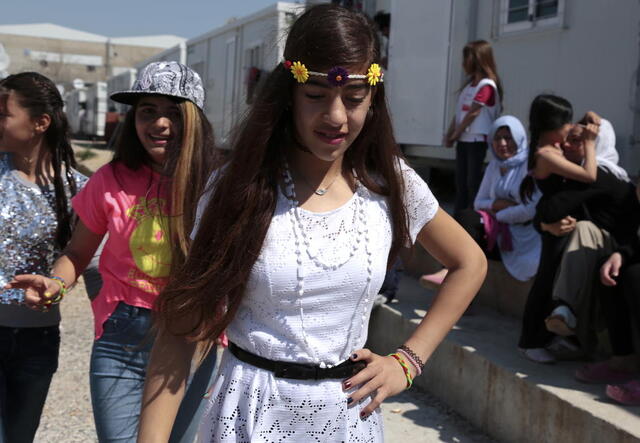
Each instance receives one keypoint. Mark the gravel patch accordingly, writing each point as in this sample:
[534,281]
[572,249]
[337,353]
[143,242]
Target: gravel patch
[67,415]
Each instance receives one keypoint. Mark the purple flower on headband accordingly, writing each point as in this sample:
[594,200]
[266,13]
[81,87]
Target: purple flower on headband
[337,76]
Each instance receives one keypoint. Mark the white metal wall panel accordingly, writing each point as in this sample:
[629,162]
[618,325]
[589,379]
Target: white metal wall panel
[592,60]
[120,82]
[418,64]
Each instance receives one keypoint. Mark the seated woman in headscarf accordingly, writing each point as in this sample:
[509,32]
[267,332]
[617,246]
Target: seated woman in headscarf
[500,222]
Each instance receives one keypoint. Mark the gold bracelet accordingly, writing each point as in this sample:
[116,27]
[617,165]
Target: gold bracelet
[62,292]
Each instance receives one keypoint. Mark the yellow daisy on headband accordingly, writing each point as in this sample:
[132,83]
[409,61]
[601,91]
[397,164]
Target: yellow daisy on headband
[300,72]
[374,73]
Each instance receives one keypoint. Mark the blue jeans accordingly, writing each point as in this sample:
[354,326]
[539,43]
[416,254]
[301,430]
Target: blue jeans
[118,368]
[28,360]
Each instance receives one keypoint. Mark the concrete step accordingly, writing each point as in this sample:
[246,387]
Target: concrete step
[500,291]
[479,373]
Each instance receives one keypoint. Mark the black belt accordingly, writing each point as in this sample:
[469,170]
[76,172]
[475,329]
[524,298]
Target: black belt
[298,371]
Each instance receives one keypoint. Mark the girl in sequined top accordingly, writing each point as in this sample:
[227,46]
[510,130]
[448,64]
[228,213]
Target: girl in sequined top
[294,237]
[144,199]
[37,178]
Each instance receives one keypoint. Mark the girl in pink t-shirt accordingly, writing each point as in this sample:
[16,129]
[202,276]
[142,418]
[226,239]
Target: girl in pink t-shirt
[144,199]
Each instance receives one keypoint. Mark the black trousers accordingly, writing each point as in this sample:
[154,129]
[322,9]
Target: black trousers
[471,221]
[28,360]
[622,310]
[469,161]
[539,301]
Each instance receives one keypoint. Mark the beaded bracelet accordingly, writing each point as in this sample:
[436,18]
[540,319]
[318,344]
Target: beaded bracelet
[410,360]
[413,355]
[405,369]
[61,293]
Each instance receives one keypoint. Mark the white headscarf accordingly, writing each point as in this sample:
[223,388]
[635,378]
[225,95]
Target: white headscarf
[606,154]
[519,136]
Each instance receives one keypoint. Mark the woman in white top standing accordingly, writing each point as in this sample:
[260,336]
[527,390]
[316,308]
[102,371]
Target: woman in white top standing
[478,105]
[295,234]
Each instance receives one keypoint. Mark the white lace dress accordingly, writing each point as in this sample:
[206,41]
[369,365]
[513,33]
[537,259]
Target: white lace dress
[337,261]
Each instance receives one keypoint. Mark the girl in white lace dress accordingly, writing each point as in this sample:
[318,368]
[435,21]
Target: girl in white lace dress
[293,239]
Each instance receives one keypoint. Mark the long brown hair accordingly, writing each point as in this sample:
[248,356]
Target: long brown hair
[39,95]
[480,55]
[186,169]
[547,113]
[203,296]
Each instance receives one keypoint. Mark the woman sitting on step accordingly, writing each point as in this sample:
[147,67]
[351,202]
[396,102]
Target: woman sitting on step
[500,221]
[603,215]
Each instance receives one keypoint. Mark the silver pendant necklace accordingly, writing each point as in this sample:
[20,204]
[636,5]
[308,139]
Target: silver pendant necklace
[320,191]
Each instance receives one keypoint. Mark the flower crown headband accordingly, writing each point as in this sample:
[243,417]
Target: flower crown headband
[337,76]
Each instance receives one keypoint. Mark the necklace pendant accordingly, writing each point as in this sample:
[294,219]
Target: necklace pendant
[320,191]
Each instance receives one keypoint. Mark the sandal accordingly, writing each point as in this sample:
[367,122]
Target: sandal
[627,394]
[564,348]
[561,321]
[602,373]
[538,355]
[433,281]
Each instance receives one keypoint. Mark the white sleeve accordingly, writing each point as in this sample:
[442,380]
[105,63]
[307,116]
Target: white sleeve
[483,200]
[420,203]
[203,202]
[521,213]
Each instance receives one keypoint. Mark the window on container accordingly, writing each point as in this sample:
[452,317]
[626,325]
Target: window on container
[522,15]
[518,11]
[546,8]
[523,10]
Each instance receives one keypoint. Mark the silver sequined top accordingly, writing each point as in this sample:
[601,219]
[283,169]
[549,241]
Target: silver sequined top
[27,241]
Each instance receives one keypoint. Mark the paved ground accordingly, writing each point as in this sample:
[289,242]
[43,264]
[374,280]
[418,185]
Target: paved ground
[416,416]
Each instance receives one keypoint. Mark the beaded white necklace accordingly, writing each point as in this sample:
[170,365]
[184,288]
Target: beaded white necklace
[302,242]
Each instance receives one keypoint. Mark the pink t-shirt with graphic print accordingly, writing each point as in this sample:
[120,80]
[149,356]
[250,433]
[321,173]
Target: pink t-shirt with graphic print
[132,207]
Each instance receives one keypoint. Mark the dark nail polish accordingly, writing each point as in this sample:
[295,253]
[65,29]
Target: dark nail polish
[349,400]
[354,356]
[362,414]
[347,384]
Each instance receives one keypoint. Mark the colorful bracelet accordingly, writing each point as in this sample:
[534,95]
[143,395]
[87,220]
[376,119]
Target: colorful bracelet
[61,293]
[405,368]
[413,355]
[411,360]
